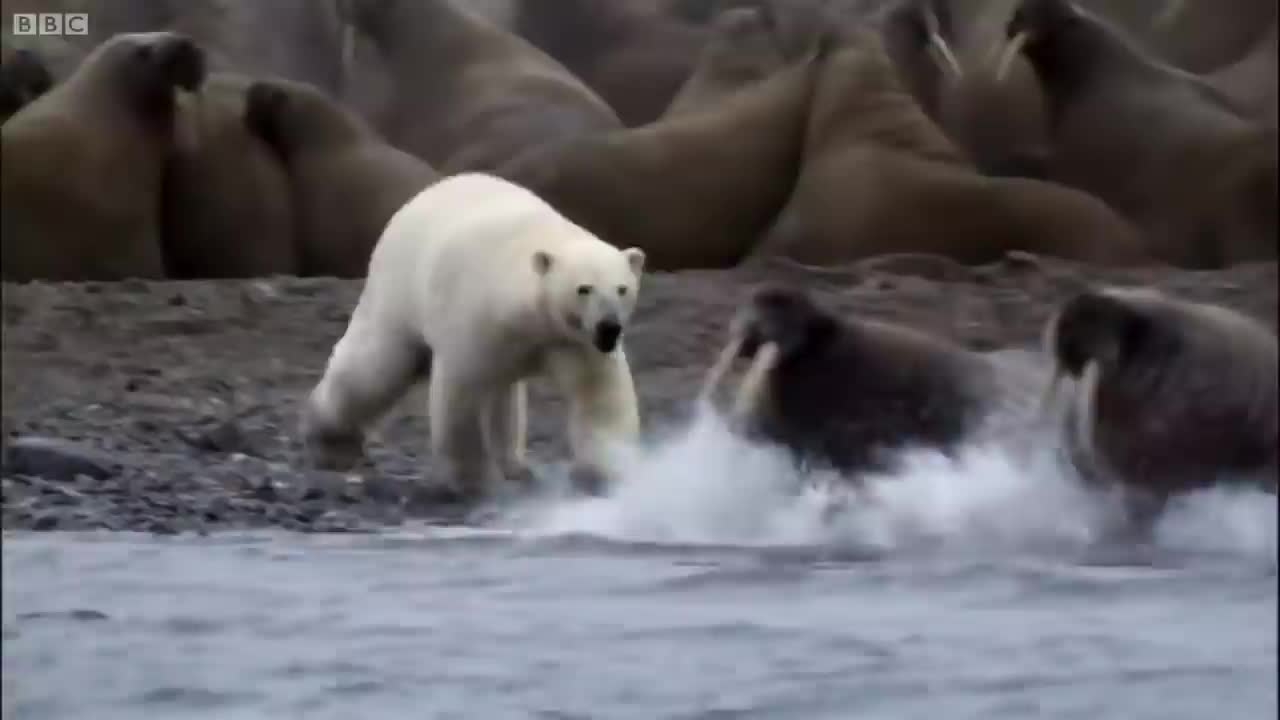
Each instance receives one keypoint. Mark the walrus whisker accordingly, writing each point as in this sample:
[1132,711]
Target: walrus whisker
[1011,51]
[748,396]
[717,372]
[939,43]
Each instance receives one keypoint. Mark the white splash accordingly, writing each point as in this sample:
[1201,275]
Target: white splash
[707,485]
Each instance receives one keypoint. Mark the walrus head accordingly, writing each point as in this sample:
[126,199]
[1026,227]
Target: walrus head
[776,324]
[23,78]
[155,64]
[1050,33]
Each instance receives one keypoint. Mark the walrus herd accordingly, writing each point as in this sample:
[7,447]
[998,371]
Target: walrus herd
[715,134]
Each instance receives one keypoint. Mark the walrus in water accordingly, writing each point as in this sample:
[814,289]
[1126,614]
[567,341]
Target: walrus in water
[1171,395]
[743,49]
[1158,144]
[631,53]
[227,210]
[84,163]
[470,96]
[346,182]
[23,78]
[878,177]
[692,191]
[848,393]
[946,61]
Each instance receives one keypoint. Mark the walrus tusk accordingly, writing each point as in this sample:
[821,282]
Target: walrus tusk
[1010,52]
[1049,400]
[939,43]
[1086,400]
[749,390]
[721,367]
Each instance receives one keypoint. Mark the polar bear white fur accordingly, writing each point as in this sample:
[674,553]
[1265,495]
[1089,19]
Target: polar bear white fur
[480,284]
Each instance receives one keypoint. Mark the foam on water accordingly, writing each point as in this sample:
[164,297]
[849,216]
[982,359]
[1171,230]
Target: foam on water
[706,485]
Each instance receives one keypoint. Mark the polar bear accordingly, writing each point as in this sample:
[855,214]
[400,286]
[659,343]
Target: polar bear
[479,284]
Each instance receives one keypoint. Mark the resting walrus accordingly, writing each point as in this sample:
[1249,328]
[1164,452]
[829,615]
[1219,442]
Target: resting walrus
[345,181]
[849,393]
[84,163]
[227,212]
[468,95]
[1159,145]
[1171,395]
[878,177]
[694,190]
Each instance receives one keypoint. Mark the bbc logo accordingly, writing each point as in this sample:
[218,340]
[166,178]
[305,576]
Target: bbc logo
[51,23]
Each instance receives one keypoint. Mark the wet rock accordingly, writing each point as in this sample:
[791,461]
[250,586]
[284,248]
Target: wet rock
[224,437]
[54,459]
[46,521]
[77,615]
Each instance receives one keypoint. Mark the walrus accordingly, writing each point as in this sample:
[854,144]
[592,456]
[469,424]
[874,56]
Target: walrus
[848,393]
[1170,395]
[878,177]
[23,78]
[692,191]
[84,163]
[227,210]
[632,54]
[346,182]
[1158,144]
[943,49]
[743,49]
[470,96]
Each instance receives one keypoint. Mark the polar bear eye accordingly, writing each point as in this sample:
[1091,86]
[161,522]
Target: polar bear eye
[584,289]
[622,289]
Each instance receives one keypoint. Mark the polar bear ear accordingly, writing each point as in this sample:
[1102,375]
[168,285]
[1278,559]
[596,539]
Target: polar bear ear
[635,258]
[541,262]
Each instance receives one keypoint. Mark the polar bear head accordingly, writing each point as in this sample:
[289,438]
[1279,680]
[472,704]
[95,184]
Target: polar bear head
[590,293]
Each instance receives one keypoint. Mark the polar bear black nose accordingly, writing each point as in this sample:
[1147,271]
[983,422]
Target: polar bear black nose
[607,334]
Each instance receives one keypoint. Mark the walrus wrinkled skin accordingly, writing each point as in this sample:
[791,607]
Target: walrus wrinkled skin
[692,191]
[634,55]
[345,181]
[849,393]
[878,177]
[467,95]
[23,78]
[743,49]
[84,163]
[227,210]
[1159,145]
[1170,395]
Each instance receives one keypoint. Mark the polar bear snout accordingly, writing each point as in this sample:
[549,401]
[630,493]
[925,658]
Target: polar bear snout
[607,334]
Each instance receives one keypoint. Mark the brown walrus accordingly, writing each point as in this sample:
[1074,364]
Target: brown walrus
[943,49]
[1158,144]
[692,191]
[631,53]
[84,163]
[849,393]
[23,78]
[346,182]
[879,178]
[743,49]
[1171,395]
[1195,35]
[227,210]
[469,95]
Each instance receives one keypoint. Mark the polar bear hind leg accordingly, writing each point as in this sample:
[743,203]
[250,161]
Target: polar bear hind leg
[369,371]
[505,427]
